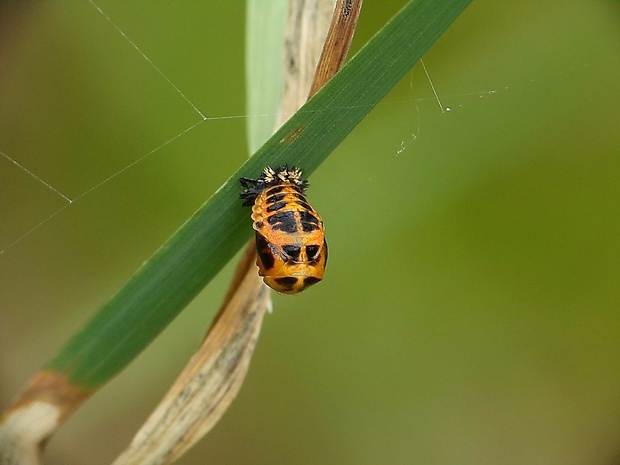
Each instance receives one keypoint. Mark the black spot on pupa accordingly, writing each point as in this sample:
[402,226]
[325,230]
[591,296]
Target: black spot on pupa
[287,282]
[310,280]
[264,252]
[312,251]
[293,251]
[283,221]
[275,190]
[305,206]
[276,206]
[309,222]
[276,197]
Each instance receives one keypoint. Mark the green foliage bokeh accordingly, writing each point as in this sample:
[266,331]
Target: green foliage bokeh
[469,310]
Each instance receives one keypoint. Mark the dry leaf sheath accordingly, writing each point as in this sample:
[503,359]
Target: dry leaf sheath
[209,382]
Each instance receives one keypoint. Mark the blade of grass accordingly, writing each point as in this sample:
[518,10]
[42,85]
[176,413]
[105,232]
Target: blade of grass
[172,277]
[339,38]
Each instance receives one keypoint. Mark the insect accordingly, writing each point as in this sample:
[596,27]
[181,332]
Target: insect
[290,241]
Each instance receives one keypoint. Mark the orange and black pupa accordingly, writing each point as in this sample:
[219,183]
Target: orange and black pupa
[290,240]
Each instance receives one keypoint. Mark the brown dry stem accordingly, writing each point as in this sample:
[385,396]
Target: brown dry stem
[339,38]
[210,381]
[35,415]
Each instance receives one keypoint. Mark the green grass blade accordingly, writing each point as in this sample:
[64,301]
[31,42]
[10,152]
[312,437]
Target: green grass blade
[202,246]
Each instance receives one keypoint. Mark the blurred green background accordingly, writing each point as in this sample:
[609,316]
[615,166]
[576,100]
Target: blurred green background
[469,313]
